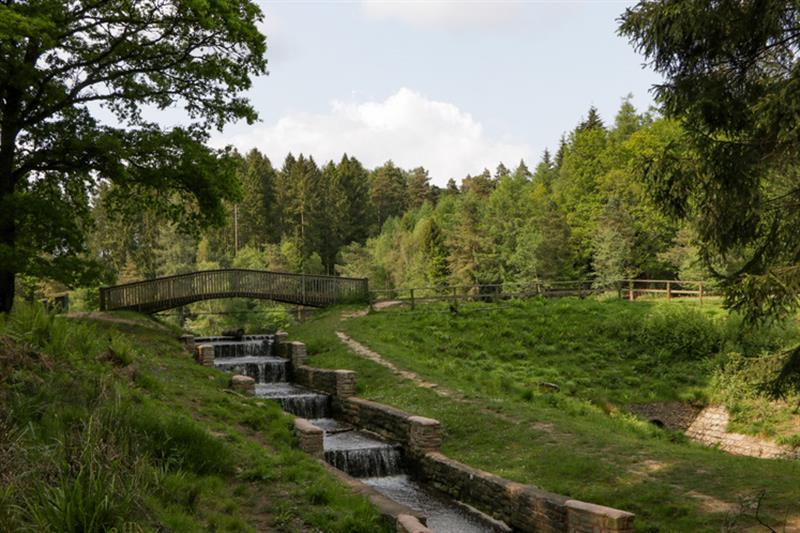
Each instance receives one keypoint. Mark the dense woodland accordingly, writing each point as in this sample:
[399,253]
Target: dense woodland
[579,213]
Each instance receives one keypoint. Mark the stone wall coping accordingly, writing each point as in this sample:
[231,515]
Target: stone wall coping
[410,524]
[610,518]
[304,426]
[381,406]
[423,421]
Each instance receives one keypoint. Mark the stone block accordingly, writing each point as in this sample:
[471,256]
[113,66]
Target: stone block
[296,351]
[338,383]
[204,355]
[410,524]
[243,384]
[310,437]
[279,341]
[585,517]
[424,434]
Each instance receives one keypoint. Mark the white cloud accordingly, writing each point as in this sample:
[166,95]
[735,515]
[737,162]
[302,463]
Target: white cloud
[407,128]
[437,14]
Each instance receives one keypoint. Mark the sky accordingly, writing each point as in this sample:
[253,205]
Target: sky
[453,86]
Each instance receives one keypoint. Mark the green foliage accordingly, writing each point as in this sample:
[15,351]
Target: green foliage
[730,74]
[132,55]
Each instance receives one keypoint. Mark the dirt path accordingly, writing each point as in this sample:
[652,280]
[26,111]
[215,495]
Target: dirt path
[375,357]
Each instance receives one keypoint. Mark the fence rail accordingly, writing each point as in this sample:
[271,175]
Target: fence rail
[628,289]
[159,294]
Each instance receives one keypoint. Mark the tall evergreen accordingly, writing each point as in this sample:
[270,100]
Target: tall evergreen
[387,193]
[258,217]
[419,187]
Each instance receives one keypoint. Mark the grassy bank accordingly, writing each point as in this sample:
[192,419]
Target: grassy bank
[576,442]
[107,425]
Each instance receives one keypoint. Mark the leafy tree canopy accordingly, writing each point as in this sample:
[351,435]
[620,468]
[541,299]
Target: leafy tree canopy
[731,75]
[62,60]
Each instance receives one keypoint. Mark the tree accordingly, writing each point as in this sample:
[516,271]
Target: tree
[482,184]
[58,62]
[419,187]
[593,120]
[258,220]
[302,188]
[730,72]
[387,193]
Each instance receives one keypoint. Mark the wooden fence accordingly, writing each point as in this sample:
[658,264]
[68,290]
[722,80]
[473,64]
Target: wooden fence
[159,294]
[631,289]
[628,289]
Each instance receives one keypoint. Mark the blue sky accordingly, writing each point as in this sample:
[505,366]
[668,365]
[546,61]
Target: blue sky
[452,86]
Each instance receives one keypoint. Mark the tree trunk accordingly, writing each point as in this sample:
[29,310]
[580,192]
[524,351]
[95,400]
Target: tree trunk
[8,229]
[7,240]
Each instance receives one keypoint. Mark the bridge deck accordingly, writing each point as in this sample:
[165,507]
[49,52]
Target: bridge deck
[159,294]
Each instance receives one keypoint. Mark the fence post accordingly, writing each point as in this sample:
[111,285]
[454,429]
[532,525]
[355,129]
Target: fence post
[669,291]
[630,290]
[701,292]
[412,299]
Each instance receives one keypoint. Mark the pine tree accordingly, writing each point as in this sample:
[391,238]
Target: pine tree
[593,121]
[501,171]
[481,185]
[419,187]
[302,180]
[258,221]
[387,193]
[627,120]
[522,171]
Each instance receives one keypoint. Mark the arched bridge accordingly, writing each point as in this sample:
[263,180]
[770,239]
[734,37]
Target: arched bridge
[159,294]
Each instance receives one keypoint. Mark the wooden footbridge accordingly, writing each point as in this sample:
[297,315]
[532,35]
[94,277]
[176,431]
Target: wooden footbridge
[159,294]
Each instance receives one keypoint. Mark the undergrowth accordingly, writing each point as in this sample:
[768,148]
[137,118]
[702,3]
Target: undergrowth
[108,427]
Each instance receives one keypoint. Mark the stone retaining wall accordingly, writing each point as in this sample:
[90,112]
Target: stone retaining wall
[417,434]
[310,437]
[523,507]
[677,416]
[338,383]
[709,426]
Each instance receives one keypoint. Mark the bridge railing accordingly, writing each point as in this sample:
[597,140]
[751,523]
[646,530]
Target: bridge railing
[173,291]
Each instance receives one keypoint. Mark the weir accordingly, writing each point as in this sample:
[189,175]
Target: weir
[360,454]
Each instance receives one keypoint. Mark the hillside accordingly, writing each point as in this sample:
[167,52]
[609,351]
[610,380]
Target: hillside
[479,372]
[105,424]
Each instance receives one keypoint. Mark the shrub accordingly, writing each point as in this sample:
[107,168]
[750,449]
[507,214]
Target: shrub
[681,333]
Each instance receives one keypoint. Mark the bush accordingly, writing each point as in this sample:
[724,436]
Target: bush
[680,333]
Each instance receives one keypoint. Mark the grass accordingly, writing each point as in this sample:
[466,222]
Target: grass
[576,442]
[109,426]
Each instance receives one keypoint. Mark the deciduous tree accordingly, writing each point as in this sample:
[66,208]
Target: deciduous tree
[58,62]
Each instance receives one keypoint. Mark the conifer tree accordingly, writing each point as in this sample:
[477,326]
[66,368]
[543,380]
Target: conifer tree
[258,223]
[387,193]
[419,187]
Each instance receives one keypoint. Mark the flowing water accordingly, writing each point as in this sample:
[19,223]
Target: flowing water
[378,463]
[361,455]
[263,369]
[443,515]
[296,400]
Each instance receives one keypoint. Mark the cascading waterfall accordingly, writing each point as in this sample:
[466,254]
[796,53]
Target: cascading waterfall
[261,369]
[361,455]
[378,463]
[296,400]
